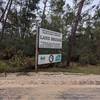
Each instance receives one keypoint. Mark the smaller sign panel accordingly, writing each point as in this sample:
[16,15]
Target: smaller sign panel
[50,39]
[49,58]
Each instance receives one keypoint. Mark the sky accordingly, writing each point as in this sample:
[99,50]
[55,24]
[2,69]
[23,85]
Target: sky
[96,1]
[70,2]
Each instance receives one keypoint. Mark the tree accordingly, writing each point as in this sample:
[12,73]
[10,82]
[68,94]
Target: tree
[4,22]
[19,18]
[43,15]
[4,10]
[72,38]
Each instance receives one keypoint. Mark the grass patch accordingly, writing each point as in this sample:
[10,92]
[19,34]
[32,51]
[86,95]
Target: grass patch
[85,69]
[88,69]
[4,67]
[28,66]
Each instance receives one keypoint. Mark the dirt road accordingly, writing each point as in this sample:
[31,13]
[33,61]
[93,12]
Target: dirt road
[49,86]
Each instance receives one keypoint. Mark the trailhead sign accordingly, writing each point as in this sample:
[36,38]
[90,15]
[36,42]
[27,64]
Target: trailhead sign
[52,40]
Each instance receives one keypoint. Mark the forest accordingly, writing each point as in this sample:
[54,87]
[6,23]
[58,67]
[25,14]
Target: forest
[77,20]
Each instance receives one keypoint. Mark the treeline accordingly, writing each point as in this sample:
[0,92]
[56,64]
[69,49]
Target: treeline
[79,23]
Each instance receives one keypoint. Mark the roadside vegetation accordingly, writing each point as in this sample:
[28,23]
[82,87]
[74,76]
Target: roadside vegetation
[75,69]
[28,66]
[80,30]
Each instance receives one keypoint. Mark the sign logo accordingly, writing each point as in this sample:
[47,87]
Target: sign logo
[51,58]
[58,58]
[42,58]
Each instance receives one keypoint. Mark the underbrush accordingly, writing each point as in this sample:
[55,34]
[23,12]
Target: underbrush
[26,64]
[4,67]
[17,64]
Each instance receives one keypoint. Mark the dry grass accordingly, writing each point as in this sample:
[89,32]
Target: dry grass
[86,69]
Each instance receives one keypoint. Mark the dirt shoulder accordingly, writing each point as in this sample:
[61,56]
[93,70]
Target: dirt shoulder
[49,86]
[46,78]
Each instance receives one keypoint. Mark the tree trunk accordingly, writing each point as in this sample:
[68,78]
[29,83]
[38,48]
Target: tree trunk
[4,23]
[2,16]
[72,38]
[43,15]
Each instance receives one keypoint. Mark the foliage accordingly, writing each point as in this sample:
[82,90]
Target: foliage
[21,63]
[10,47]
[17,60]
[4,67]
[17,45]
[75,69]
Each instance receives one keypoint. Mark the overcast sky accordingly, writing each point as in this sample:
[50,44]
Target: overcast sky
[70,2]
[95,2]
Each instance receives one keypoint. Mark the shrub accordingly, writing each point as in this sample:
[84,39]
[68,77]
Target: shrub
[17,60]
[9,52]
[21,63]
[83,59]
[4,67]
[28,64]
[88,58]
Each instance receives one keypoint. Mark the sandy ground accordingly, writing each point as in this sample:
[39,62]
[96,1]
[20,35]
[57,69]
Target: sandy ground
[49,86]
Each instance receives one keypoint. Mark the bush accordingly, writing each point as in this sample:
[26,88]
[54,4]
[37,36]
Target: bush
[17,60]
[29,62]
[21,63]
[9,53]
[83,59]
[88,58]
[9,47]
[4,67]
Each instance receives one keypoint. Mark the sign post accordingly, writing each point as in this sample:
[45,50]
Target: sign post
[36,48]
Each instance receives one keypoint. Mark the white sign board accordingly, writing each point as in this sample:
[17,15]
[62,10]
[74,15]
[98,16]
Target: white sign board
[50,39]
[49,58]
